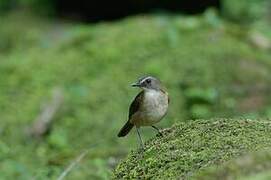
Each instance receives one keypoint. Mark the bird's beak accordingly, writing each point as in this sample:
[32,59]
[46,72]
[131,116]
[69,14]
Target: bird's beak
[135,84]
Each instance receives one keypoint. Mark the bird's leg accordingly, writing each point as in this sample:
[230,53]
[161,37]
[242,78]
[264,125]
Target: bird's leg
[157,130]
[139,137]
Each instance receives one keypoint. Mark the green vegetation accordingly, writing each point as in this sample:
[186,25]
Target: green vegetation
[245,11]
[41,7]
[255,165]
[208,65]
[189,147]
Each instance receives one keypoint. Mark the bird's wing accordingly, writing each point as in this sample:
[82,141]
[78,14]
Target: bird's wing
[135,105]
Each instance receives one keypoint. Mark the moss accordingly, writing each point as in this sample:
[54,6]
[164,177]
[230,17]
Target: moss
[188,147]
[256,165]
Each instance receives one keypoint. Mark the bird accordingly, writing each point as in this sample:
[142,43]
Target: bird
[148,107]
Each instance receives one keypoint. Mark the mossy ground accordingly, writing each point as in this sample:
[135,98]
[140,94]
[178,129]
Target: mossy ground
[255,165]
[207,64]
[189,147]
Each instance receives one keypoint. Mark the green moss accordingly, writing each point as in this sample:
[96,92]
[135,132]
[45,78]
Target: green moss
[256,165]
[188,147]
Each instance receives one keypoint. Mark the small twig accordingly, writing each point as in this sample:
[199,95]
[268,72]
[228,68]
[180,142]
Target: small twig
[77,160]
[71,166]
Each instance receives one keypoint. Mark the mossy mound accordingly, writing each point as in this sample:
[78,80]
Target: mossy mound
[256,165]
[188,147]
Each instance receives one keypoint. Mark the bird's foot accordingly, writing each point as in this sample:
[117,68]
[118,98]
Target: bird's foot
[141,149]
[160,134]
[158,130]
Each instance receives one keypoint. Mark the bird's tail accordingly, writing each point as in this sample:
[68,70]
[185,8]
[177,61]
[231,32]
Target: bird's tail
[125,129]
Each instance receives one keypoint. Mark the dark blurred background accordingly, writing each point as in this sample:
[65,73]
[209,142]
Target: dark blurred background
[110,10]
[92,11]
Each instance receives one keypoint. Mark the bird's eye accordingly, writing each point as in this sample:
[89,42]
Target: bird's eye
[148,81]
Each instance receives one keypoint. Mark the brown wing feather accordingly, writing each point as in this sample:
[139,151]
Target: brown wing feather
[134,107]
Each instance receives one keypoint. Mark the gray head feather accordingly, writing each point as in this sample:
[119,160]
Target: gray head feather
[148,82]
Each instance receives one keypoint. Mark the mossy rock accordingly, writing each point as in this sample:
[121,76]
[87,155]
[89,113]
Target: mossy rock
[256,165]
[189,147]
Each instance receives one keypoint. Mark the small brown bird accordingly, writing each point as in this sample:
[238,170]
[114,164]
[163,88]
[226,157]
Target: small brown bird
[148,107]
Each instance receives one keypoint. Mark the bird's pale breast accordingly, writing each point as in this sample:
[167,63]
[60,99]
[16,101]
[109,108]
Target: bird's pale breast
[153,108]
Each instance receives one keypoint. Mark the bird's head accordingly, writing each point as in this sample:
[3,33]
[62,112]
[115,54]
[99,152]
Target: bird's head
[148,83]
